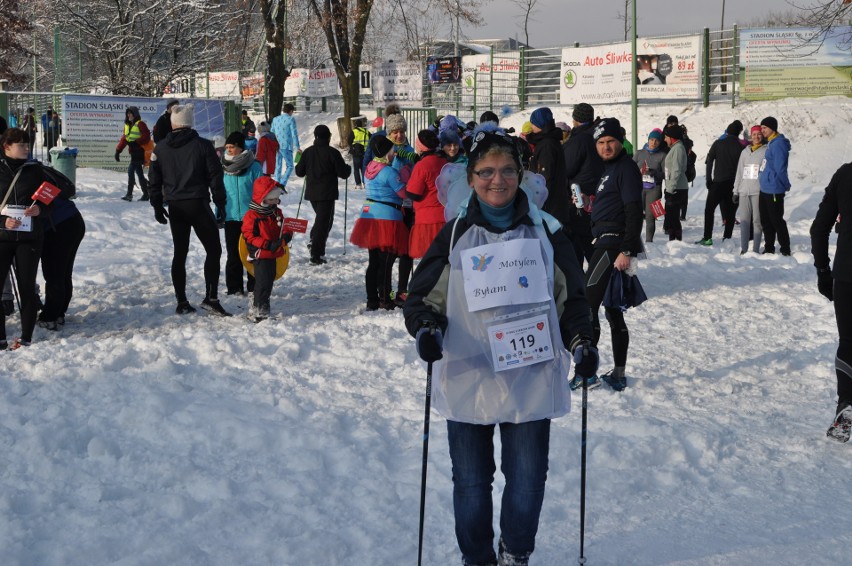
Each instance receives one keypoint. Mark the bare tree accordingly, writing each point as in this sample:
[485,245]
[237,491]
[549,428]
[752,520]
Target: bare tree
[826,15]
[13,48]
[528,8]
[274,21]
[627,18]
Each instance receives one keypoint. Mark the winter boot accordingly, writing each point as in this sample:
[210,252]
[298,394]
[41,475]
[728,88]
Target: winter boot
[183,307]
[505,558]
[145,191]
[214,307]
[129,196]
[592,382]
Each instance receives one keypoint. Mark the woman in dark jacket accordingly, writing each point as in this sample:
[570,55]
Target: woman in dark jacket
[21,230]
[64,229]
[322,165]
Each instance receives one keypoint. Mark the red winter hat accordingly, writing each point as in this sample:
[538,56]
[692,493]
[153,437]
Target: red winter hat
[262,186]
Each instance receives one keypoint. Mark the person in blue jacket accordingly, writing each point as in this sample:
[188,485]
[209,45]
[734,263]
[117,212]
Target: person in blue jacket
[284,128]
[774,184]
[241,169]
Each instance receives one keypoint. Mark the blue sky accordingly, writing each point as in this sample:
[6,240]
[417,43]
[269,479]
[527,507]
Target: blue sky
[562,22]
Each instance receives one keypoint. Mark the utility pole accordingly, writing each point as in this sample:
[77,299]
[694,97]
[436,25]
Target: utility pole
[633,90]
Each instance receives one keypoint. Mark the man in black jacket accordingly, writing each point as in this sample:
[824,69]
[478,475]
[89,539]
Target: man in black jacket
[163,127]
[322,165]
[836,285]
[616,227]
[185,172]
[722,162]
[547,161]
[583,166]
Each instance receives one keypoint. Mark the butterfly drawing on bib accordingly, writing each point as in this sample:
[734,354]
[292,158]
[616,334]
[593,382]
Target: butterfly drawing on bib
[480,263]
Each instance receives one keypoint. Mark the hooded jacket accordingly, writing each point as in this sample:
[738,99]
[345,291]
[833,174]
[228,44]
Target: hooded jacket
[773,172]
[185,166]
[136,136]
[261,229]
[655,160]
[267,148]
[676,168]
[322,166]
[238,190]
[549,162]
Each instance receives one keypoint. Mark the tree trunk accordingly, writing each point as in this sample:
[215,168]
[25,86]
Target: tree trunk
[276,75]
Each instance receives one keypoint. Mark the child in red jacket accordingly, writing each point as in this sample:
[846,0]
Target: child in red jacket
[266,241]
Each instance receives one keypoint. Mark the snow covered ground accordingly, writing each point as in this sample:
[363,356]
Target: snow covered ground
[138,437]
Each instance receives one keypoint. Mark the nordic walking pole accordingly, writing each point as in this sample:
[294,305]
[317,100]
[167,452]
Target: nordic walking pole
[425,457]
[345,210]
[582,559]
[299,209]
[14,283]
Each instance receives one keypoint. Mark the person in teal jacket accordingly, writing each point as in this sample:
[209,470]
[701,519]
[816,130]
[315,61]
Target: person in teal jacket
[241,169]
[774,184]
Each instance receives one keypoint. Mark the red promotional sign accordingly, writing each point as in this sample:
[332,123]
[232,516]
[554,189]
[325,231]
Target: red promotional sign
[295,225]
[658,209]
[46,193]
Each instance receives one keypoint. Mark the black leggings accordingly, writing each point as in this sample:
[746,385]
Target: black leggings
[378,276]
[843,362]
[194,214]
[323,221]
[597,280]
[233,264]
[720,195]
[57,265]
[26,256]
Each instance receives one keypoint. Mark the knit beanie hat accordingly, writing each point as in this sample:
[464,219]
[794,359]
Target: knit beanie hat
[583,113]
[735,128]
[770,123]
[675,132]
[182,116]
[236,138]
[541,117]
[380,145]
[656,134]
[322,132]
[394,123]
[426,140]
[263,127]
[609,127]
[484,138]
[391,109]
[447,137]
[672,120]
[755,129]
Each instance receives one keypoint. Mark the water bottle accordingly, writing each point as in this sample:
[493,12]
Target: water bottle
[578,195]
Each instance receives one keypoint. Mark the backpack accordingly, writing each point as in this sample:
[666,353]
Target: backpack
[63,183]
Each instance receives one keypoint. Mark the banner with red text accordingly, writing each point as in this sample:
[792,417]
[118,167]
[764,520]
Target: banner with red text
[487,84]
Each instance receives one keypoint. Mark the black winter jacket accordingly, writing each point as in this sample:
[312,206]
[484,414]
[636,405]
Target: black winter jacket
[548,161]
[30,180]
[836,201]
[322,165]
[185,166]
[583,165]
[725,154]
[617,213]
[163,127]
[432,274]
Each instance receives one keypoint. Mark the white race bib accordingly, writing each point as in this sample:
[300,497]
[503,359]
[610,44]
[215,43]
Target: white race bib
[520,343]
[16,211]
[750,172]
[504,273]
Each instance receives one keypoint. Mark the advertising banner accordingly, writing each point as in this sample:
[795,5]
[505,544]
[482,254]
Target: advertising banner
[314,83]
[95,124]
[252,84]
[443,70]
[223,84]
[504,79]
[297,83]
[397,82]
[665,68]
[795,62]
[179,87]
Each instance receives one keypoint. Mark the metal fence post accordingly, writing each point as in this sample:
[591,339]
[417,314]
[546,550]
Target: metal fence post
[522,87]
[735,66]
[475,85]
[706,62]
[490,81]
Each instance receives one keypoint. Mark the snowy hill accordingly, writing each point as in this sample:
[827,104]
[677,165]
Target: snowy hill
[135,436]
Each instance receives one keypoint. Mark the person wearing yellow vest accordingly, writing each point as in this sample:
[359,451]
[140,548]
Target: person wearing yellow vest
[136,136]
[359,137]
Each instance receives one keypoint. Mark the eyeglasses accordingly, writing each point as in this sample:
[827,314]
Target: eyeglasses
[488,173]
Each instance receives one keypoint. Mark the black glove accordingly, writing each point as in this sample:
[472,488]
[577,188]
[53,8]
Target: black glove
[272,245]
[118,156]
[287,237]
[585,359]
[430,342]
[735,198]
[825,283]
[709,185]
[220,215]
[161,215]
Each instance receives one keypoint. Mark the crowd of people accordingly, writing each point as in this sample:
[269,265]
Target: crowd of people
[465,199]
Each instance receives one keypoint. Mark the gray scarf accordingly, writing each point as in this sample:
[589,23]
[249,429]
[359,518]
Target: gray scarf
[238,164]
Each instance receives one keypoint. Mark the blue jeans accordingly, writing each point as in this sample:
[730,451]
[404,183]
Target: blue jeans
[524,465]
[136,167]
